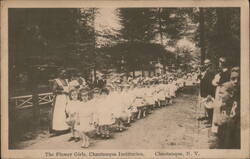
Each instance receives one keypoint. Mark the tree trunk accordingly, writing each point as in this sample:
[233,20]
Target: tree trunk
[94,69]
[223,27]
[142,71]
[94,43]
[164,65]
[127,74]
[160,25]
[12,124]
[202,36]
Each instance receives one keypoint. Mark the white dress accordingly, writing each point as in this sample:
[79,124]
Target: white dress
[72,109]
[161,92]
[59,111]
[172,90]
[126,105]
[104,111]
[149,97]
[85,122]
[139,100]
[117,105]
[73,106]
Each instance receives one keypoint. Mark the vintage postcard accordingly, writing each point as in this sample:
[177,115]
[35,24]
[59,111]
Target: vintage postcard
[125,79]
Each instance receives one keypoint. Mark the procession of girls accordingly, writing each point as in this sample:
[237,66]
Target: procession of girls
[111,108]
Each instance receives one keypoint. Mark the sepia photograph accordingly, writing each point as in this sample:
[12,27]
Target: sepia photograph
[125,78]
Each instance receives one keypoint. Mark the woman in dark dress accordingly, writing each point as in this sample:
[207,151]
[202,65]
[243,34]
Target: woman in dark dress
[58,118]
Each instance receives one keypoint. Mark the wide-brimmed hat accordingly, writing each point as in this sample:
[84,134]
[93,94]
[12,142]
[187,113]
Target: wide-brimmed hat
[235,69]
[207,62]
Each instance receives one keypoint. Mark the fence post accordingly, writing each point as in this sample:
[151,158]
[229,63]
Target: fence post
[34,92]
[12,123]
[35,103]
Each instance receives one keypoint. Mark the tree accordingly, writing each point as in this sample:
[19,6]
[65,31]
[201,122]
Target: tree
[66,35]
[137,24]
[202,31]
[170,24]
[137,27]
[227,37]
[150,25]
[218,34]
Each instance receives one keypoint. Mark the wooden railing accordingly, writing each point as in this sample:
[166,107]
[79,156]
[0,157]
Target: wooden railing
[21,102]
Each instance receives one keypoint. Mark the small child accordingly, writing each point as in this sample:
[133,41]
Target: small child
[167,94]
[132,109]
[149,99]
[116,108]
[72,111]
[139,102]
[161,94]
[209,104]
[105,115]
[85,121]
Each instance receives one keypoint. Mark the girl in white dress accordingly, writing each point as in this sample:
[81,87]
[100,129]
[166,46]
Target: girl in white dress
[149,98]
[172,89]
[126,109]
[154,94]
[72,110]
[133,110]
[116,104]
[105,115]
[139,101]
[167,94]
[85,121]
[161,94]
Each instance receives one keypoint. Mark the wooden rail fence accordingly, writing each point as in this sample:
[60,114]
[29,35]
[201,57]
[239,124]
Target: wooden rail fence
[21,102]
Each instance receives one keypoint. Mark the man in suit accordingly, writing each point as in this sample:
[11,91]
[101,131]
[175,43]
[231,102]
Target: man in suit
[206,88]
[223,74]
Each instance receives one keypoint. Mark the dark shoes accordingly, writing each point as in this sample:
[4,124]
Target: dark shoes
[71,138]
[202,118]
[77,139]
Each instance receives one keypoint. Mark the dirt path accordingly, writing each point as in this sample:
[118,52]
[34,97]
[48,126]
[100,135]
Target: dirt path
[171,127]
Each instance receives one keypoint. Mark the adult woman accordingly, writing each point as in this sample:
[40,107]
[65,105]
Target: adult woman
[60,89]
[220,78]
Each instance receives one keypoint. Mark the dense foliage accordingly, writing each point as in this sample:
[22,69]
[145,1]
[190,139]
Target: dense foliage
[48,39]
